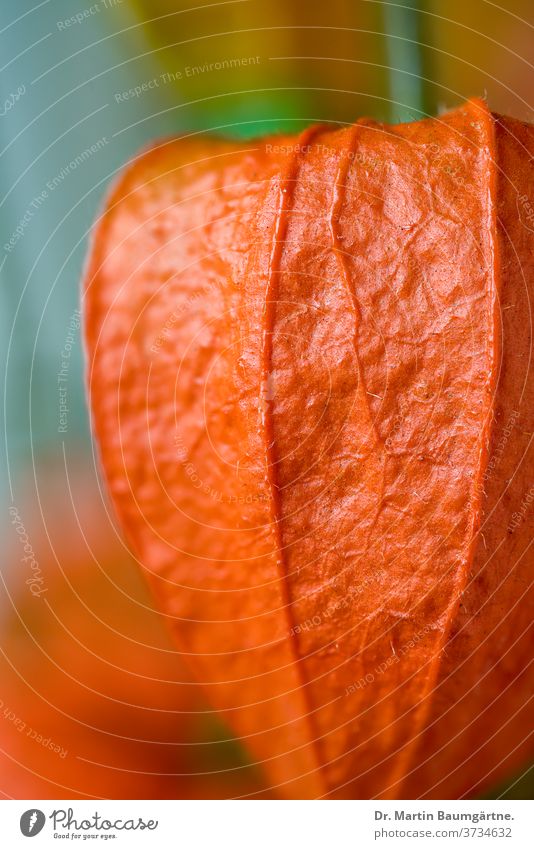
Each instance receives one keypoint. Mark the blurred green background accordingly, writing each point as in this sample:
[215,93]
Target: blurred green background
[84,85]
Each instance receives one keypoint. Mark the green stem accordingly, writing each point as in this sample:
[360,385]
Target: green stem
[408,89]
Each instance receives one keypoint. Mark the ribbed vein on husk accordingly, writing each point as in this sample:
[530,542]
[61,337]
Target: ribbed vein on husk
[406,758]
[285,200]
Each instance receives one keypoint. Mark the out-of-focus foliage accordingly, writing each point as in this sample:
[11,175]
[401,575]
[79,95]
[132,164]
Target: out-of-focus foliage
[315,61]
[483,48]
[95,700]
[337,61]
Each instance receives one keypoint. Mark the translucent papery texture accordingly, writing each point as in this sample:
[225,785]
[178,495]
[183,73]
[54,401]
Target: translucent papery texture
[308,362]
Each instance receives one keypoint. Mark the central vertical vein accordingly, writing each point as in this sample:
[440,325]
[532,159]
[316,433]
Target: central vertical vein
[373,457]
[338,201]
[285,202]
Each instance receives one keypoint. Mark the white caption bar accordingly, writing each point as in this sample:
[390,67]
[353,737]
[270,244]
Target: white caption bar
[267,825]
